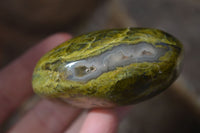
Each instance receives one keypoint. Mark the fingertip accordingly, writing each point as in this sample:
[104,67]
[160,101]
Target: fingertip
[100,121]
[59,37]
[109,113]
[62,35]
[52,41]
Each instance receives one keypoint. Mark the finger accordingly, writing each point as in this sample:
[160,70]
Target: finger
[103,120]
[100,121]
[46,117]
[15,79]
[77,124]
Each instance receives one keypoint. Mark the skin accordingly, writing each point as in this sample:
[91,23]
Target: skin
[47,116]
[125,85]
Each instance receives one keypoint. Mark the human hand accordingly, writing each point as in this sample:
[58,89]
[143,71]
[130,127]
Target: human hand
[48,116]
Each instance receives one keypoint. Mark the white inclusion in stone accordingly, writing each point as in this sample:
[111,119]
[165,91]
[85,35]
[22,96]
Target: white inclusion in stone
[118,56]
[70,64]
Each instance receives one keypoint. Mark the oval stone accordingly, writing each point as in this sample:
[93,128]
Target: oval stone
[109,68]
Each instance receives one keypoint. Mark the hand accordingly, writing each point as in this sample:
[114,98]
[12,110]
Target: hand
[48,116]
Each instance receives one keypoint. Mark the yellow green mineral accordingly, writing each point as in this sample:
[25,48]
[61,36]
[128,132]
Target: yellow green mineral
[109,68]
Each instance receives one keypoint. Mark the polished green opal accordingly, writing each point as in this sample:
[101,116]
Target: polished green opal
[109,68]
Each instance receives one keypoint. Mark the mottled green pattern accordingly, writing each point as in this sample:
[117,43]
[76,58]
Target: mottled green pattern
[124,85]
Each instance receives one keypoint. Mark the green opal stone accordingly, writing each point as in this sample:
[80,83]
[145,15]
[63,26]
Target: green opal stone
[109,68]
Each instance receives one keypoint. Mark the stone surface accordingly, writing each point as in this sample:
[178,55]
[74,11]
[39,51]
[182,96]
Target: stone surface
[110,67]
